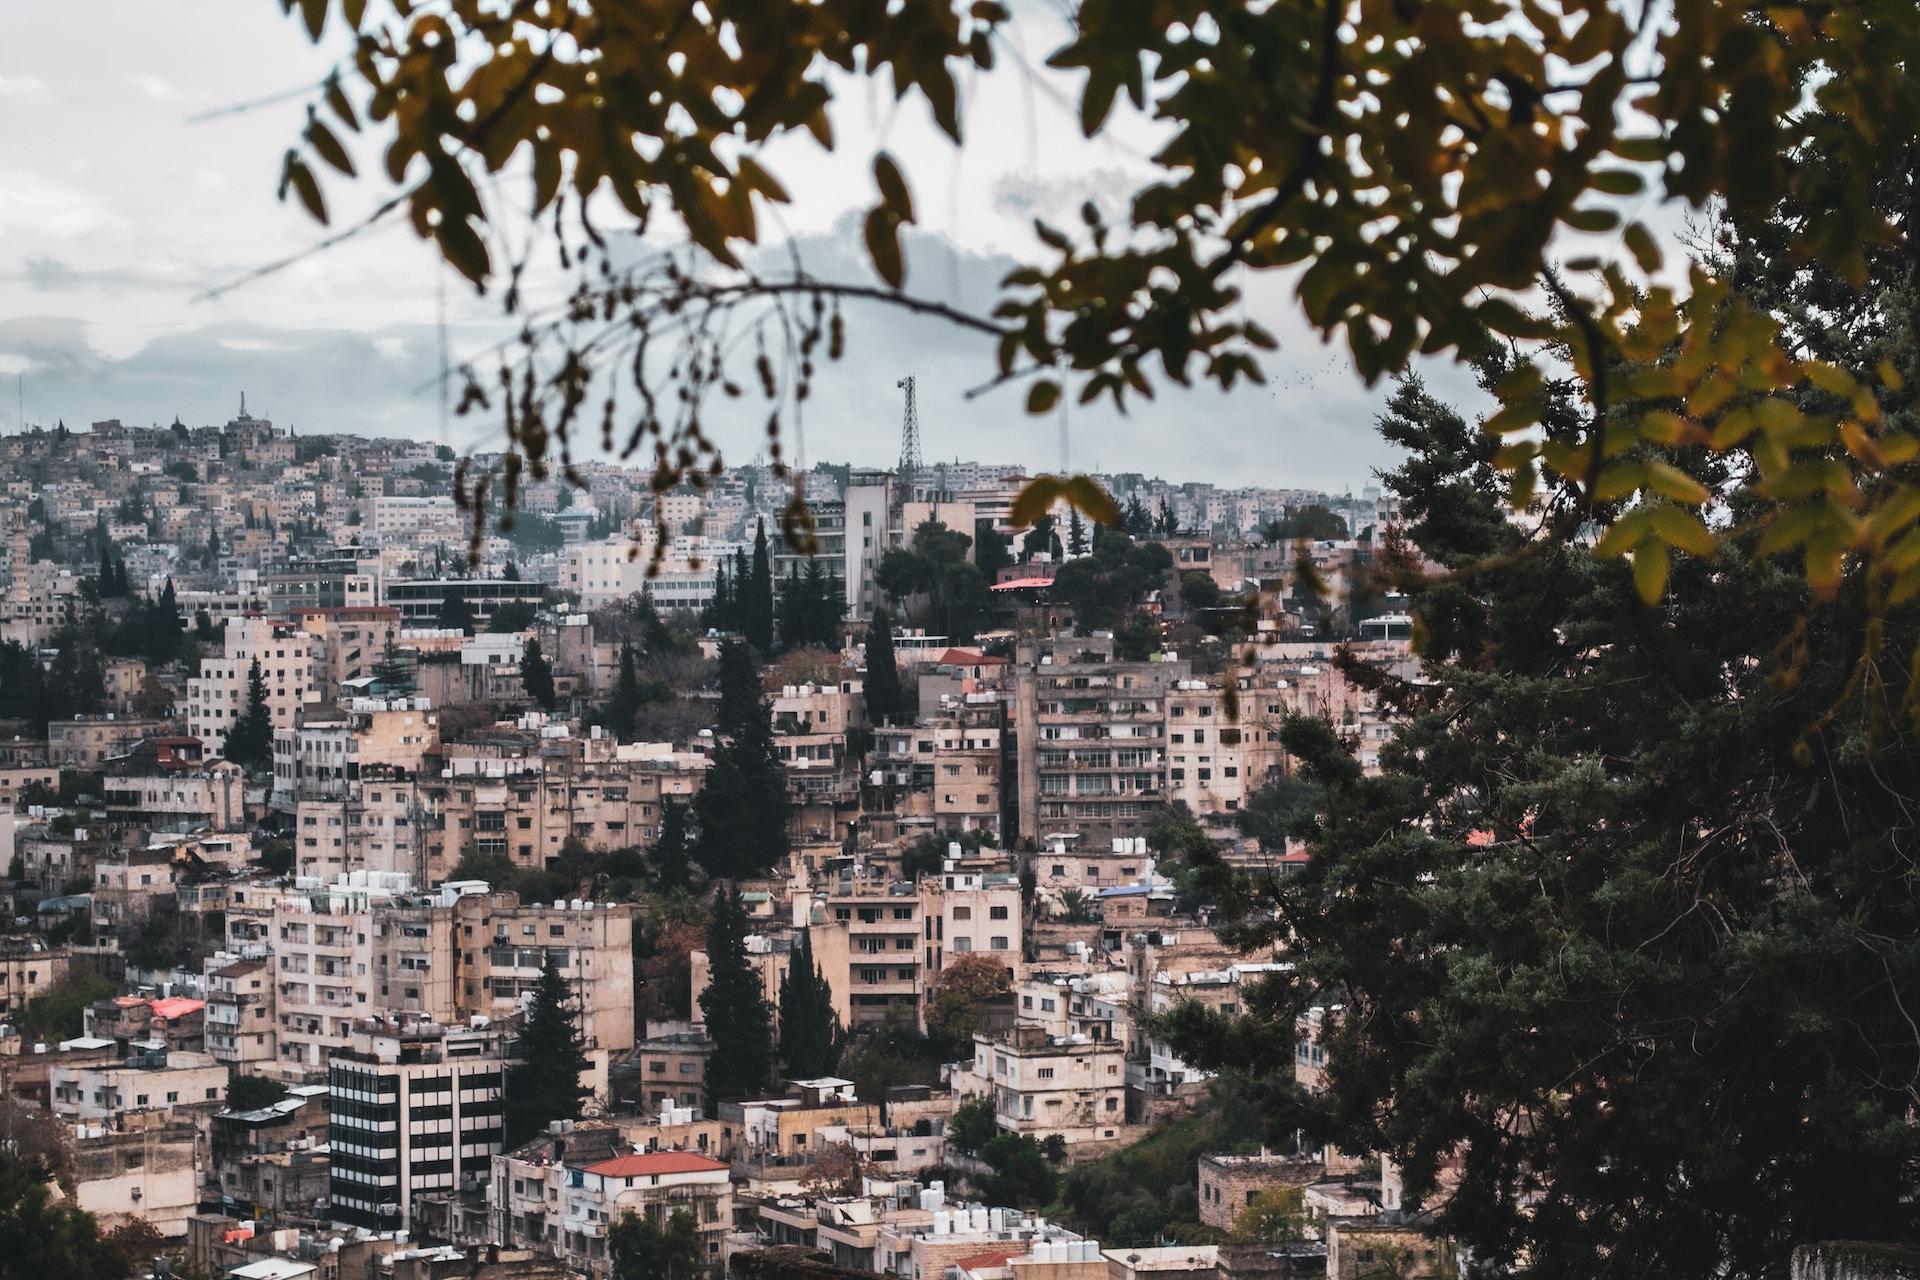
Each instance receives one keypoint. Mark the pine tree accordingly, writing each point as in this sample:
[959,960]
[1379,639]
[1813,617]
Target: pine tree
[738,1018]
[741,698]
[989,550]
[623,704]
[672,854]
[742,804]
[792,611]
[250,741]
[1076,533]
[826,607]
[455,611]
[758,622]
[884,696]
[810,1036]
[544,1083]
[1636,875]
[536,674]
[1169,523]
[104,583]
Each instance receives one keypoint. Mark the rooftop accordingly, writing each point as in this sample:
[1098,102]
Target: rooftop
[654,1164]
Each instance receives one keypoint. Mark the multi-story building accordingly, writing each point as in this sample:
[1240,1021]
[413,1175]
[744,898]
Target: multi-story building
[414,1107]
[653,1185]
[29,968]
[87,742]
[971,911]
[151,1078]
[1041,1086]
[1092,737]
[290,664]
[240,1027]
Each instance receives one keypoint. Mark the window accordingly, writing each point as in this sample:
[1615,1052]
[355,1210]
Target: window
[964,913]
[997,913]
[999,942]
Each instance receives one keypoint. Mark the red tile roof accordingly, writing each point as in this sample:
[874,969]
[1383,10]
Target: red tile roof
[177,1006]
[968,658]
[991,1258]
[653,1163]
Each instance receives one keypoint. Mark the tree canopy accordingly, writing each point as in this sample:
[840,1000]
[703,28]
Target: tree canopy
[1426,173]
[544,1083]
[1619,929]
[738,1018]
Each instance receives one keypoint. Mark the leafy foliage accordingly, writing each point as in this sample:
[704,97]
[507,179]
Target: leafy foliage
[643,1249]
[47,1237]
[544,1083]
[810,1035]
[935,568]
[738,1020]
[886,701]
[536,675]
[956,1007]
[1629,875]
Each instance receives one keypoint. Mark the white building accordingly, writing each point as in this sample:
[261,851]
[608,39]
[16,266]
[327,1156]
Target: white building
[290,663]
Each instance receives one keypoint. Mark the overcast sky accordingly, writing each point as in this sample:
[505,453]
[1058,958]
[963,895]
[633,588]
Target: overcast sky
[116,210]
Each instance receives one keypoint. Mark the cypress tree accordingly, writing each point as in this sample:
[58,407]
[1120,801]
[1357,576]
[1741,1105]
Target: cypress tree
[624,702]
[740,694]
[455,611]
[810,1036]
[742,805]
[826,605]
[104,582]
[883,673]
[1076,533]
[250,741]
[738,1018]
[759,619]
[536,674]
[672,848]
[792,612]
[544,1085]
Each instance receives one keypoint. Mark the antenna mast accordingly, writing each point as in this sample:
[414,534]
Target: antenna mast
[909,467]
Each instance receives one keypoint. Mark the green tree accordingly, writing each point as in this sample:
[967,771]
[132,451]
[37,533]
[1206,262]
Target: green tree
[757,624]
[742,699]
[643,1249]
[48,1238]
[886,700]
[739,1021]
[1626,875]
[544,1083]
[1077,544]
[623,703]
[511,616]
[990,552]
[247,1092]
[1275,1215]
[250,740]
[1313,522]
[742,804]
[972,1126]
[536,675]
[1199,591]
[456,614]
[810,1035]
[672,853]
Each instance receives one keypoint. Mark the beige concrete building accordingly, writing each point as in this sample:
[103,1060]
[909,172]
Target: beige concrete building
[290,663]
[148,1080]
[1229,1183]
[29,968]
[141,1168]
[1041,1086]
[87,742]
[1092,735]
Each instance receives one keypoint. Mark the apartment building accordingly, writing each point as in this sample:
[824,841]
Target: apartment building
[372,945]
[971,911]
[881,939]
[353,639]
[414,1107]
[653,1185]
[291,664]
[87,742]
[240,1026]
[150,1078]
[1092,737]
[29,967]
[1042,1085]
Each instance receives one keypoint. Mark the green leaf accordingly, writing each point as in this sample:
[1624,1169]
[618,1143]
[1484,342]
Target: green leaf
[1650,570]
[1042,396]
[1641,245]
[1034,501]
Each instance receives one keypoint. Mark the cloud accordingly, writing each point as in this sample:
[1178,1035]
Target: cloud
[45,273]
[317,380]
[21,87]
[155,87]
[34,204]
